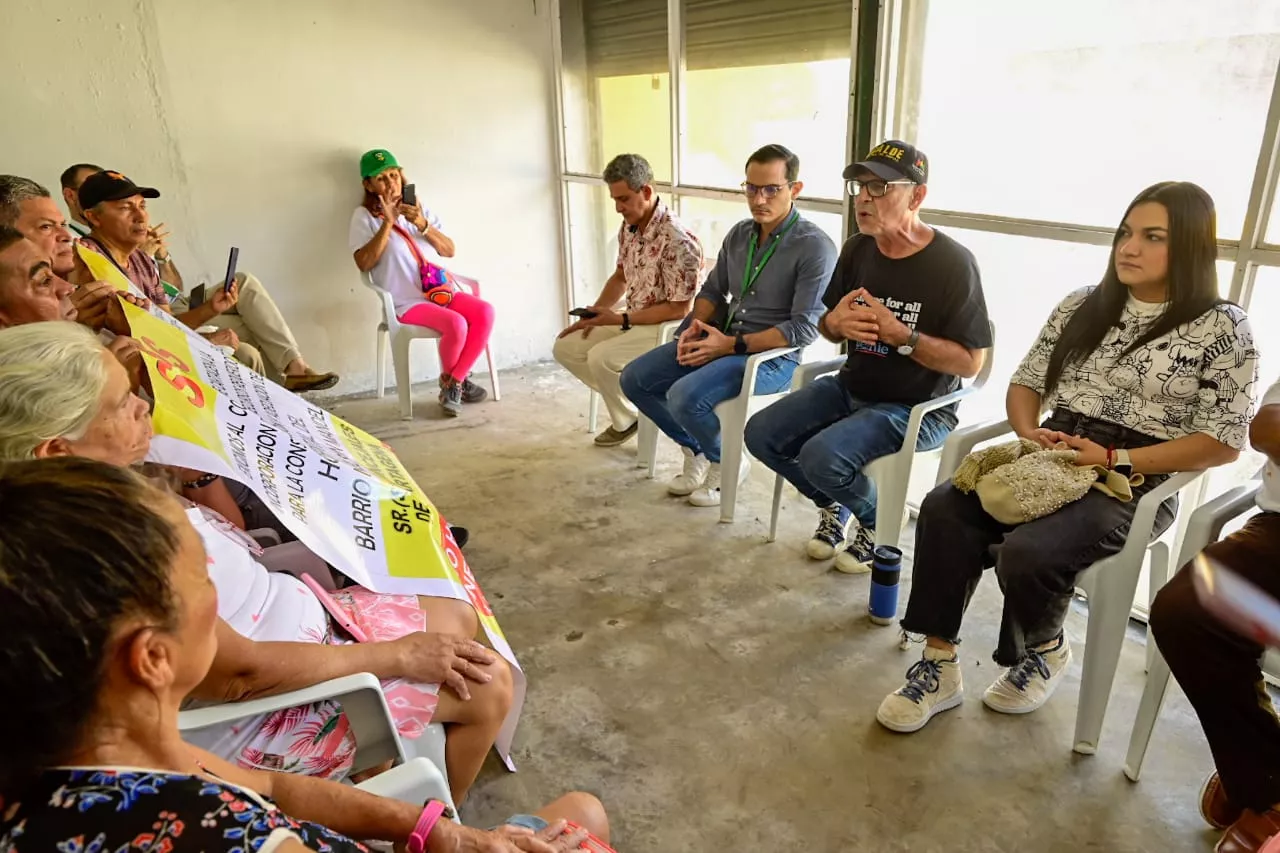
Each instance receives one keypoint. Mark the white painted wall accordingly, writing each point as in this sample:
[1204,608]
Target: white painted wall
[250,117]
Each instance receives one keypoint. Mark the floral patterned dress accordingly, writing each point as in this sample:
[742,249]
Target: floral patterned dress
[107,810]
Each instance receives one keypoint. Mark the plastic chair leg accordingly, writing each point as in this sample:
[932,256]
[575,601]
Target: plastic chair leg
[1109,606]
[1157,577]
[404,380]
[892,476]
[1148,712]
[733,423]
[493,374]
[777,508]
[647,446]
[382,361]
[593,413]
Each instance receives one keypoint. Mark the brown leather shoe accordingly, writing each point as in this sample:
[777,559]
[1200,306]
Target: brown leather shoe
[311,382]
[1215,808]
[1250,832]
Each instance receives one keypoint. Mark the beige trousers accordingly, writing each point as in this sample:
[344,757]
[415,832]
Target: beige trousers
[258,323]
[597,361]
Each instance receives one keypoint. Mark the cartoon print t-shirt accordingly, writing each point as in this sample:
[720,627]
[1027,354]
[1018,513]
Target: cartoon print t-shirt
[1200,377]
[937,291]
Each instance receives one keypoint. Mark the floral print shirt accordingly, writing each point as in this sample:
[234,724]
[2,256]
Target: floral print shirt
[1200,377]
[104,810]
[662,263]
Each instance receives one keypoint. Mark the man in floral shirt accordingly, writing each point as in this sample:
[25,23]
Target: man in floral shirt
[659,271]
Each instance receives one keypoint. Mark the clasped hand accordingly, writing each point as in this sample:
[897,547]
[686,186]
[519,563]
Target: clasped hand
[701,343]
[861,317]
[1088,452]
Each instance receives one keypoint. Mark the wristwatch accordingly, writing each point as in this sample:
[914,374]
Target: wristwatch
[1124,465]
[910,346]
[626,321]
[739,344]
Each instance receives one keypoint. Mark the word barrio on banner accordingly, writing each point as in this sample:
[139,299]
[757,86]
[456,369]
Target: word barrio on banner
[341,491]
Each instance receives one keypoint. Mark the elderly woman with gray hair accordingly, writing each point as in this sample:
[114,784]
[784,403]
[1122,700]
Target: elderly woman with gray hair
[63,394]
[659,271]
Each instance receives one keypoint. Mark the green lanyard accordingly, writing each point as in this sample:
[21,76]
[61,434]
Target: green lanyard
[752,270]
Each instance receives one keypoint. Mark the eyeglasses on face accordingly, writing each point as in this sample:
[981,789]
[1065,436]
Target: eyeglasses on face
[768,190]
[875,189]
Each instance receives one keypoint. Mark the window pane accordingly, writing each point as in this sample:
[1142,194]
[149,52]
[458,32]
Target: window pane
[593,239]
[763,72]
[616,84]
[1042,111]
[1023,278]
[712,218]
[1273,224]
[1263,306]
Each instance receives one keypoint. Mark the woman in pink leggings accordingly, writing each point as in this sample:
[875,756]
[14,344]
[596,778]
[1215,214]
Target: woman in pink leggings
[403,253]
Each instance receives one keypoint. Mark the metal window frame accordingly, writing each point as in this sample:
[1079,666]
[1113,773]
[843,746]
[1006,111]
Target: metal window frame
[1247,253]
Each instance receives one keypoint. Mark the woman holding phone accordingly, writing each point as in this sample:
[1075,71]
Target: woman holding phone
[400,244]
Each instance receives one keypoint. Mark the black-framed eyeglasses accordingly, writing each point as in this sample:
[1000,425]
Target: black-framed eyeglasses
[875,189]
[768,190]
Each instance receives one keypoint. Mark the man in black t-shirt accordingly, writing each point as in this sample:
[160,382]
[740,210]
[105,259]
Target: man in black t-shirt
[908,300]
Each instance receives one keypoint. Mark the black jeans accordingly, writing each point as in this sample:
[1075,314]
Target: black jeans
[1218,668]
[1036,563]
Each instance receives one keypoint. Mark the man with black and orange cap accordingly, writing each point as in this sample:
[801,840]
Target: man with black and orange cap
[907,299]
[246,317]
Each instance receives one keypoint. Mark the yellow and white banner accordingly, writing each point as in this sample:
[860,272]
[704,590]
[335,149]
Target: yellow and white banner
[341,491]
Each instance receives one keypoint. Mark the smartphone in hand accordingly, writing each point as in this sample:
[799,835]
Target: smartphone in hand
[409,195]
[232,260]
[585,313]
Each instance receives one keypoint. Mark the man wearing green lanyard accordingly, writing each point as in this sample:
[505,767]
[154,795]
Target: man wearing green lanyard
[765,291]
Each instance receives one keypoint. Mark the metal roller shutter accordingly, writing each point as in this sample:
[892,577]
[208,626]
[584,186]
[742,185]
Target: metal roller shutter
[630,36]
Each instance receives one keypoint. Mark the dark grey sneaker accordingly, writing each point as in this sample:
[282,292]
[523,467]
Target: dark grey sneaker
[473,393]
[855,557]
[612,437]
[451,400]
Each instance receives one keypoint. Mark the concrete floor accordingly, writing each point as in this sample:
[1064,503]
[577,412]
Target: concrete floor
[719,692]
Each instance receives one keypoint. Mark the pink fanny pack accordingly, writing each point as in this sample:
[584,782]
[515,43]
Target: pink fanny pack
[437,282]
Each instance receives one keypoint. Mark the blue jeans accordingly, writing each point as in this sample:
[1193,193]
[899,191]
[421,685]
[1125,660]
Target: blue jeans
[682,400]
[821,437]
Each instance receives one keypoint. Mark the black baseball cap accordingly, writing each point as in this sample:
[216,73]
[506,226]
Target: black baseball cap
[110,186]
[893,160]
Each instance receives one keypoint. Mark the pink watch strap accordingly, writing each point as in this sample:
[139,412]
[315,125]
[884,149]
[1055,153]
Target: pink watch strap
[426,822]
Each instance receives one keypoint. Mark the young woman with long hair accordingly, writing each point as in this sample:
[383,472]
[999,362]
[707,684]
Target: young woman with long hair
[1149,369]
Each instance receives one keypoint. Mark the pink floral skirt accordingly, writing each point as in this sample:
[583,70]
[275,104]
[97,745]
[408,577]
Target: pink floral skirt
[316,740]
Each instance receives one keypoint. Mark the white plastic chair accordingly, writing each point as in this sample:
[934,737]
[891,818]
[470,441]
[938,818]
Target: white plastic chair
[414,782]
[733,414]
[1109,584]
[1204,527]
[593,407]
[404,334]
[892,473]
[361,697]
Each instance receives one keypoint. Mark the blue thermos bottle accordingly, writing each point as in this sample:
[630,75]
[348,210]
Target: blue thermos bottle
[886,566]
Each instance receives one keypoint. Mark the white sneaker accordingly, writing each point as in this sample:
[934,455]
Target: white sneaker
[1023,688]
[858,551]
[933,685]
[693,475]
[708,494]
